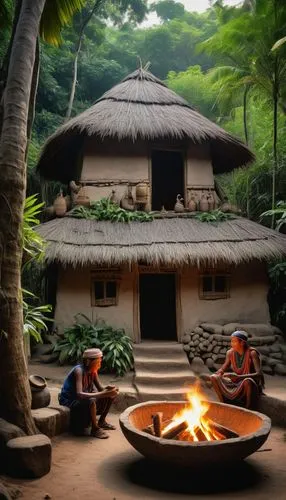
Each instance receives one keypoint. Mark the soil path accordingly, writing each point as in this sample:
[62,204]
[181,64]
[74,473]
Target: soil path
[92,469]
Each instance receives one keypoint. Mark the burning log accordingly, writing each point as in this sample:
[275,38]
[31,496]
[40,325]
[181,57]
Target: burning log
[157,423]
[200,434]
[175,430]
[222,430]
[150,428]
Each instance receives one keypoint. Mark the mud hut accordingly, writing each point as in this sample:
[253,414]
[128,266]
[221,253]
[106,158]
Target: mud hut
[142,145]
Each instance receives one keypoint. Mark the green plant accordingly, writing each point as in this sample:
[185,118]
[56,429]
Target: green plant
[34,317]
[117,350]
[280,210]
[277,293]
[114,343]
[33,243]
[105,209]
[76,339]
[214,216]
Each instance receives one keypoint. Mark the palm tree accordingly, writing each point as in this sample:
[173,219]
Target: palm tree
[246,41]
[15,397]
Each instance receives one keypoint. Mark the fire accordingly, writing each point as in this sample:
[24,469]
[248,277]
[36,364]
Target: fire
[195,425]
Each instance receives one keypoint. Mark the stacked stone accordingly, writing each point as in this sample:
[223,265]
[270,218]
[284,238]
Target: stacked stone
[210,343]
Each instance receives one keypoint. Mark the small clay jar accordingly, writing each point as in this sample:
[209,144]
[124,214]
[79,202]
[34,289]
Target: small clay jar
[60,205]
[211,202]
[82,198]
[127,201]
[179,207]
[142,192]
[113,198]
[225,207]
[40,398]
[204,204]
[192,206]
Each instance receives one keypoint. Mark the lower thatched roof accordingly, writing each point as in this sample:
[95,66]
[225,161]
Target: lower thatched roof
[178,241]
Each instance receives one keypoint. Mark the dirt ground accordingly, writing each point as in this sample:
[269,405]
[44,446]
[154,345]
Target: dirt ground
[89,469]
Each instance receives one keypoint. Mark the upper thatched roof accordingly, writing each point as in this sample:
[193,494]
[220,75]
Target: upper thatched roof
[178,241]
[140,107]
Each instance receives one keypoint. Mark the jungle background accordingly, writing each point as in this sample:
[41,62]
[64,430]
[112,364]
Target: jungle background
[227,62]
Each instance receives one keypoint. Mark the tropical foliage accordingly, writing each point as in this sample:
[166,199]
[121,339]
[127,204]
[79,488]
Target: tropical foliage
[105,209]
[214,216]
[33,244]
[35,319]
[114,343]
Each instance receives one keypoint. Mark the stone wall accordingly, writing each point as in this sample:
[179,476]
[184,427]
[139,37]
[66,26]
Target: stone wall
[210,343]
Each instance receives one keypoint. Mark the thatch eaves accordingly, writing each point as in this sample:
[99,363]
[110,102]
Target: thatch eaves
[176,242]
[140,107]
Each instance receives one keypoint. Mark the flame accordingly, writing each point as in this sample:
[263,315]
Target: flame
[197,425]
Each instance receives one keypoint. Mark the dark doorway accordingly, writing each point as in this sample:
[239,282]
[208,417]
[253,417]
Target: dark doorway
[167,178]
[158,306]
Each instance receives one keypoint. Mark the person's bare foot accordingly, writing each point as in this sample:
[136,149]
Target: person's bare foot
[99,433]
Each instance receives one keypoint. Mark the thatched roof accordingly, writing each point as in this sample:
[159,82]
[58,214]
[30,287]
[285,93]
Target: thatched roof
[140,107]
[178,241]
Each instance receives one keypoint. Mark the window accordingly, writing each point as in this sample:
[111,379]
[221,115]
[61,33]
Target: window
[104,292]
[214,284]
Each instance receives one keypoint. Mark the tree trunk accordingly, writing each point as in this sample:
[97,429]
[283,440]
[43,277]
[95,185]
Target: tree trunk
[77,51]
[275,94]
[275,159]
[33,95]
[15,396]
[246,90]
[5,64]
[74,80]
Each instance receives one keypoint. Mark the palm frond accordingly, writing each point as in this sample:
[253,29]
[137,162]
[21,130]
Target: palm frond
[56,15]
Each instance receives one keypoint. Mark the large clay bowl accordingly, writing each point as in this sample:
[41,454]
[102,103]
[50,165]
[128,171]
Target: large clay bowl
[253,429]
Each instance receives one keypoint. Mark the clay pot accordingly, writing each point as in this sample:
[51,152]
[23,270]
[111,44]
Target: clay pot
[204,204]
[40,398]
[142,192]
[37,382]
[211,202]
[50,211]
[68,201]
[60,205]
[127,201]
[82,198]
[113,198]
[226,207]
[179,207]
[192,206]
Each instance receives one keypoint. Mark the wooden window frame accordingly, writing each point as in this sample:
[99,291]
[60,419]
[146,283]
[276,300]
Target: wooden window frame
[104,278]
[213,294]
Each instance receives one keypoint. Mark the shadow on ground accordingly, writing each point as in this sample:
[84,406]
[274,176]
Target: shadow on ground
[166,478]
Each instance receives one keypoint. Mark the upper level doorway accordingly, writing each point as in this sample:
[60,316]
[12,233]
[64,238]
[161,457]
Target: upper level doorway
[168,178]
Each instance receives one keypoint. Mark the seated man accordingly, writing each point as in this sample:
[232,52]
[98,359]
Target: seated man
[86,397]
[240,380]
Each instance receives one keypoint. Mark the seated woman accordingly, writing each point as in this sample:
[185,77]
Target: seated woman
[87,398]
[240,380]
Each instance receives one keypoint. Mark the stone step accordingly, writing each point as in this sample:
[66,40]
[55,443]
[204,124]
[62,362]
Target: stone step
[165,379]
[160,365]
[157,393]
[156,350]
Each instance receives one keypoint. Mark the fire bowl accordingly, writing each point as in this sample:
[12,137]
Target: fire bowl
[252,427]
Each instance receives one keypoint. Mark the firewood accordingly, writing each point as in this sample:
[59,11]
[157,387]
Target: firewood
[157,423]
[175,430]
[221,429]
[198,431]
[150,428]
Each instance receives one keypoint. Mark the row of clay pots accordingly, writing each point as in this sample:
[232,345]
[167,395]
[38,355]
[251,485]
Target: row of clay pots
[60,206]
